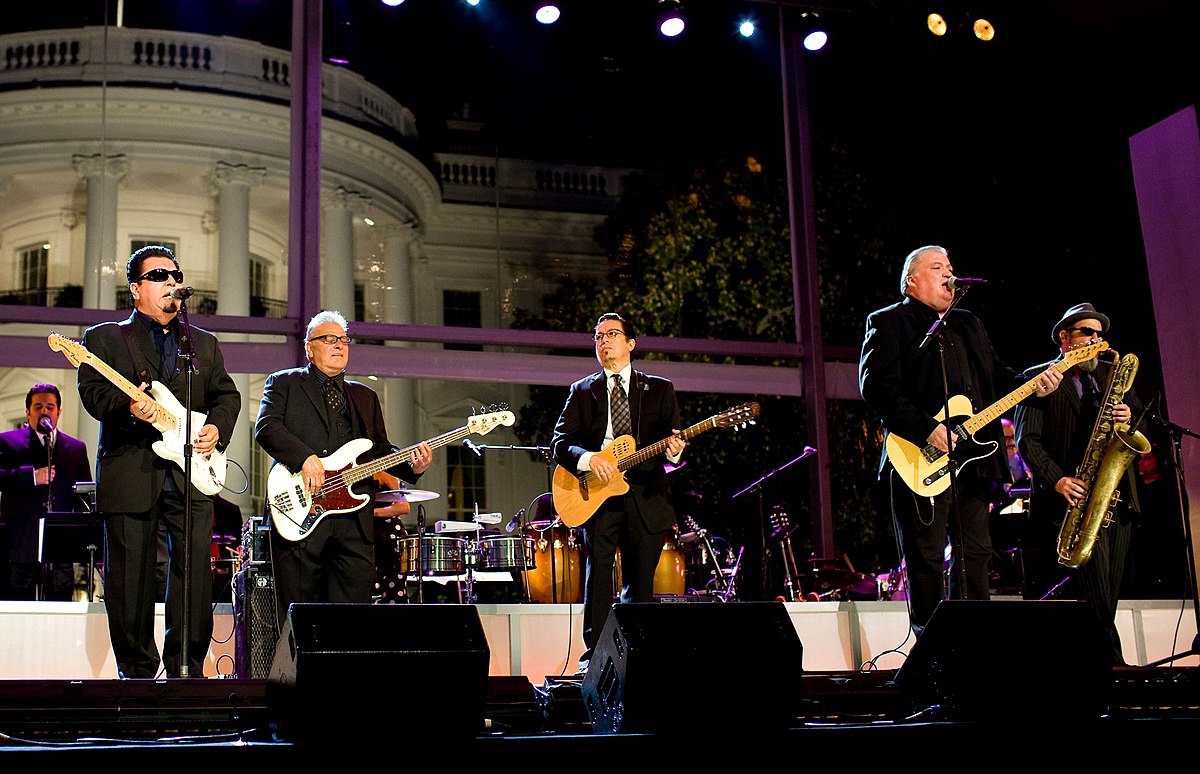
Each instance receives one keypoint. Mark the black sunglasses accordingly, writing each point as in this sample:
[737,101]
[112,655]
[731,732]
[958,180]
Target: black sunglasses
[161,275]
[1086,331]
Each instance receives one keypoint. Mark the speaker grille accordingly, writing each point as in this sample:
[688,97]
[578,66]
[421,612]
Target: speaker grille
[255,627]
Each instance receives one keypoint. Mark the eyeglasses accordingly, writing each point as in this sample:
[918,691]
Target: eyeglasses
[1089,332]
[329,339]
[161,275]
[609,334]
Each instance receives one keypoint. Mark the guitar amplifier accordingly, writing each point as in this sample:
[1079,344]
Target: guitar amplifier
[255,627]
[256,542]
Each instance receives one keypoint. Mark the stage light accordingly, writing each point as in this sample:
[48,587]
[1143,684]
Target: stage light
[393,3]
[547,13]
[746,29]
[936,24]
[984,29]
[670,18]
[815,36]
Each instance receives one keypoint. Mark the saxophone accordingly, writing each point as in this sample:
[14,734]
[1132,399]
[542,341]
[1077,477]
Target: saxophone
[1110,450]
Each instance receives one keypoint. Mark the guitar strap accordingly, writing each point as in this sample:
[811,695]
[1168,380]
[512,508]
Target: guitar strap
[141,363]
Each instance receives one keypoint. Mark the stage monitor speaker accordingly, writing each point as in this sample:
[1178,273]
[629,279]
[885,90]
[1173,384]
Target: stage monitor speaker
[254,626]
[376,674]
[1008,660]
[672,668]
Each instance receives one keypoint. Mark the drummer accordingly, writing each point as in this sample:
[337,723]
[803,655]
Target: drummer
[389,530]
[307,415]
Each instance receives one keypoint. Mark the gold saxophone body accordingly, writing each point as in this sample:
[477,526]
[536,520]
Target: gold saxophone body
[1110,450]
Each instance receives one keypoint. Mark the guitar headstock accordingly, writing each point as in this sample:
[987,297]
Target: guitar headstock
[73,350]
[690,524]
[779,522]
[738,416]
[1083,352]
[482,424]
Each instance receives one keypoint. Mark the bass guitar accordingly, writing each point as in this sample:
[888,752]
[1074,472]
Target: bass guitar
[577,497]
[296,512]
[208,471]
[925,468]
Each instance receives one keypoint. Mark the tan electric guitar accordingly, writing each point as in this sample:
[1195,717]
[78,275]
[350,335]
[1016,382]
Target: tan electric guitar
[577,497]
[925,468]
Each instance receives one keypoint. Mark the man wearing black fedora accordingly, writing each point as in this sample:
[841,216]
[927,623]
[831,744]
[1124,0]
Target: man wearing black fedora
[1053,436]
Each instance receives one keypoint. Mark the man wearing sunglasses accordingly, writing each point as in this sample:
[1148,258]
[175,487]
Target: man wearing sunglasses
[137,489]
[310,413]
[1053,436]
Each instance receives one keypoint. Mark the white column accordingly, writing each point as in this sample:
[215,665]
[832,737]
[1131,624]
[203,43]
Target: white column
[337,267]
[101,272]
[233,183]
[401,404]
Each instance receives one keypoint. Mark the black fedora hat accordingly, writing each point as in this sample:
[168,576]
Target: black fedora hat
[1074,315]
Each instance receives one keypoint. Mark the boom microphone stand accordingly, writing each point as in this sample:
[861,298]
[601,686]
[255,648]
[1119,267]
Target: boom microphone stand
[1176,434]
[758,486]
[935,332]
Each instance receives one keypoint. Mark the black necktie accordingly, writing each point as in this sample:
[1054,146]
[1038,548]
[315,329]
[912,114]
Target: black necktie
[334,396]
[619,406]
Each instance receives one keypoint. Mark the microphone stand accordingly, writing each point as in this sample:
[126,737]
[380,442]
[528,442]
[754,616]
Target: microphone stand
[935,332]
[420,553]
[758,485]
[187,353]
[40,586]
[1176,433]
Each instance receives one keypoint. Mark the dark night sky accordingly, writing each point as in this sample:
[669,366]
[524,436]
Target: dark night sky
[1013,154]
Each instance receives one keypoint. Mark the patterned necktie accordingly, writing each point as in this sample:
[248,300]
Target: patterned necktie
[334,397]
[619,406]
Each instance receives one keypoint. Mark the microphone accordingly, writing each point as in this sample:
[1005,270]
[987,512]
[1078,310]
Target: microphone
[964,283]
[516,520]
[467,442]
[45,425]
[182,294]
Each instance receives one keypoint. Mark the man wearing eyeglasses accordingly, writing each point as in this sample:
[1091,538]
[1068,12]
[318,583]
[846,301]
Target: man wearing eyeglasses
[136,488]
[613,402]
[309,413]
[1053,436]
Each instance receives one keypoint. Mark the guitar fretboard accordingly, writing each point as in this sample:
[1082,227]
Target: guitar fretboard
[1013,398]
[641,455]
[369,469]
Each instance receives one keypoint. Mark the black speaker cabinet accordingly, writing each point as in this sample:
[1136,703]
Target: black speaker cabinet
[1008,660]
[375,674]
[673,668]
[255,629]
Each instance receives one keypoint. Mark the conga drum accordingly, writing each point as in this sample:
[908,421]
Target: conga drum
[670,575]
[558,563]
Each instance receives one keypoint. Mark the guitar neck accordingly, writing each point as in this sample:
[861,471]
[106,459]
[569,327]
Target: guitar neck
[126,386]
[369,469]
[643,454]
[1008,401]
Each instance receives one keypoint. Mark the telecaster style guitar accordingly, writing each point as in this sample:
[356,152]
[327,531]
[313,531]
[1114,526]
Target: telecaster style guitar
[296,512]
[578,497]
[926,468]
[208,471]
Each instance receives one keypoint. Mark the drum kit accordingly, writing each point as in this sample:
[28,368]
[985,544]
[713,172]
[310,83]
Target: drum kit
[549,555]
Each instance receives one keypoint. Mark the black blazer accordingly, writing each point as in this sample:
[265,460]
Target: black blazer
[292,425]
[129,475]
[903,384]
[1052,437]
[654,413]
[21,503]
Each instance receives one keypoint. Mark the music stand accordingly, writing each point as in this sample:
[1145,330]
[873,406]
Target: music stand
[67,537]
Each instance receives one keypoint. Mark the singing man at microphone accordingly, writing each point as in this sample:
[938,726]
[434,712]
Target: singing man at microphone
[901,381]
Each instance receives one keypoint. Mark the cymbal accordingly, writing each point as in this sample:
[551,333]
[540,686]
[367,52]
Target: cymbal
[405,496]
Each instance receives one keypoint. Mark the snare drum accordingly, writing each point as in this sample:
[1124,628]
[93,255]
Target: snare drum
[670,576]
[501,552]
[439,555]
[554,548]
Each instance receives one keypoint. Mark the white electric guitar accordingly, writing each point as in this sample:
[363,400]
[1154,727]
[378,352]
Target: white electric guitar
[296,512]
[208,471]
